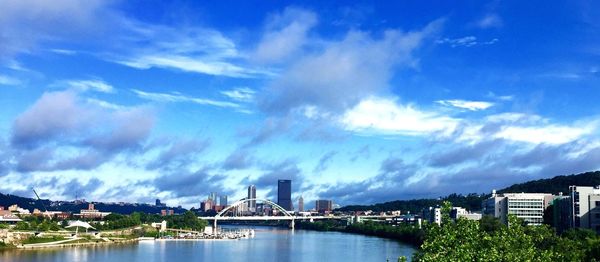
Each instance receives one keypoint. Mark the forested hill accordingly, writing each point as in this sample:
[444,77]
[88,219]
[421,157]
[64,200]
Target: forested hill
[556,184]
[473,201]
[70,206]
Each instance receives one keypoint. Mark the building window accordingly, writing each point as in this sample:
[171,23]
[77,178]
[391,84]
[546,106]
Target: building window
[598,203]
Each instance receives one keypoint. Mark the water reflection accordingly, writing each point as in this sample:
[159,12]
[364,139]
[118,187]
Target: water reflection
[269,244]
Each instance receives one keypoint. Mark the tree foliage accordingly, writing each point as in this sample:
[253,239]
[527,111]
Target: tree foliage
[467,240]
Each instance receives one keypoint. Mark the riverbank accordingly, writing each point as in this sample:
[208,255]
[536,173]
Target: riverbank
[406,234]
[76,243]
[269,244]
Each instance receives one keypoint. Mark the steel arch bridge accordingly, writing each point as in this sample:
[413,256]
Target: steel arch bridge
[246,200]
[238,203]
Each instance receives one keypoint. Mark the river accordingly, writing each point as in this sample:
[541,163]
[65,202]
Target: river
[269,244]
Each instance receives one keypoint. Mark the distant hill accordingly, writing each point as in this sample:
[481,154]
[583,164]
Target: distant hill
[72,206]
[556,184]
[472,201]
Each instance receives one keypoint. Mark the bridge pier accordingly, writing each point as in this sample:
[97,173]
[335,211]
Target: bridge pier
[215,231]
[292,224]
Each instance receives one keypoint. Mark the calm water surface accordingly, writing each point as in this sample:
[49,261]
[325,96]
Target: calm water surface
[269,244]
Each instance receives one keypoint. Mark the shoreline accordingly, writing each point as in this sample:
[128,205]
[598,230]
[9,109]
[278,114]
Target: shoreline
[412,244]
[63,245]
[117,242]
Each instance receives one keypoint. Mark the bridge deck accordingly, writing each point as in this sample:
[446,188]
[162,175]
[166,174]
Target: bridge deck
[262,218]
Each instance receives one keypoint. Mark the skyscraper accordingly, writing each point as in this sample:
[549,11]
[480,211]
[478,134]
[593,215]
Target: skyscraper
[213,197]
[252,194]
[323,206]
[223,200]
[284,194]
[301,204]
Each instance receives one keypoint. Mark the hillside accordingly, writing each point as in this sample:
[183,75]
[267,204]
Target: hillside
[70,206]
[473,201]
[556,184]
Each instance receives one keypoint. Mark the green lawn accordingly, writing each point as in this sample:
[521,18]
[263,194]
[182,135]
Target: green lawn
[37,240]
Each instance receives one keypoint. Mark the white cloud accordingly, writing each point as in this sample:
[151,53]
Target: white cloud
[163,97]
[550,134]
[285,34]
[95,85]
[382,115]
[104,104]
[467,41]
[489,21]
[464,104]
[26,24]
[9,81]
[196,50]
[526,128]
[341,73]
[63,51]
[190,64]
[242,94]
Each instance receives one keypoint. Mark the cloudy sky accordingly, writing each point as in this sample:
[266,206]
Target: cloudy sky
[358,102]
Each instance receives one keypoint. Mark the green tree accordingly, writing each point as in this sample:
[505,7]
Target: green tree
[466,240]
[22,225]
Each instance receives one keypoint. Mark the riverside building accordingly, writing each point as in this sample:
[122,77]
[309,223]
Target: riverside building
[585,207]
[527,206]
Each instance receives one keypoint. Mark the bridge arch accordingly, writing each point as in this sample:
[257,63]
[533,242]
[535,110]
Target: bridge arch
[246,200]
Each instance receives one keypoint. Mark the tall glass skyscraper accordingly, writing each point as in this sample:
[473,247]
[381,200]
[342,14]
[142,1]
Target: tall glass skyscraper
[284,194]
[252,194]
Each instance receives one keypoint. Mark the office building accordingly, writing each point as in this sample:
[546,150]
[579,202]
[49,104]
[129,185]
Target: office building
[284,194]
[433,215]
[300,204]
[561,213]
[527,206]
[213,197]
[207,205]
[252,195]
[223,201]
[585,207]
[323,206]
[91,213]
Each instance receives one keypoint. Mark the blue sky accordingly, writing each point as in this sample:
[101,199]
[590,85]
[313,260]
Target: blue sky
[358,102]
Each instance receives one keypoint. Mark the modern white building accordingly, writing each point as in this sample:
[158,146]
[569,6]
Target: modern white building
[527,206]
[458,212]
[433,215]
[585,206]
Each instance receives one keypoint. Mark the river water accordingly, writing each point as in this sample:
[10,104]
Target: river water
[269,244]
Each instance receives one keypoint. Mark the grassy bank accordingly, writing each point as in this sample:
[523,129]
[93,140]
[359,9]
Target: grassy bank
[6,246]
[38,240]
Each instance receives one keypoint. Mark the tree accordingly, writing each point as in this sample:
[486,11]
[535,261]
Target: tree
[22,225]
[467,240]
[490,224]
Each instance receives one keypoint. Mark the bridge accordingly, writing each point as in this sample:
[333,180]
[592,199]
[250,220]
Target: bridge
[286,216]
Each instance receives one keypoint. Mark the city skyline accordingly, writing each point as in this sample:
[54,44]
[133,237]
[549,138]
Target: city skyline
[358,103]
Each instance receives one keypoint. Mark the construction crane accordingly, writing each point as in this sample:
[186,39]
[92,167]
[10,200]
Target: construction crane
[38,197]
